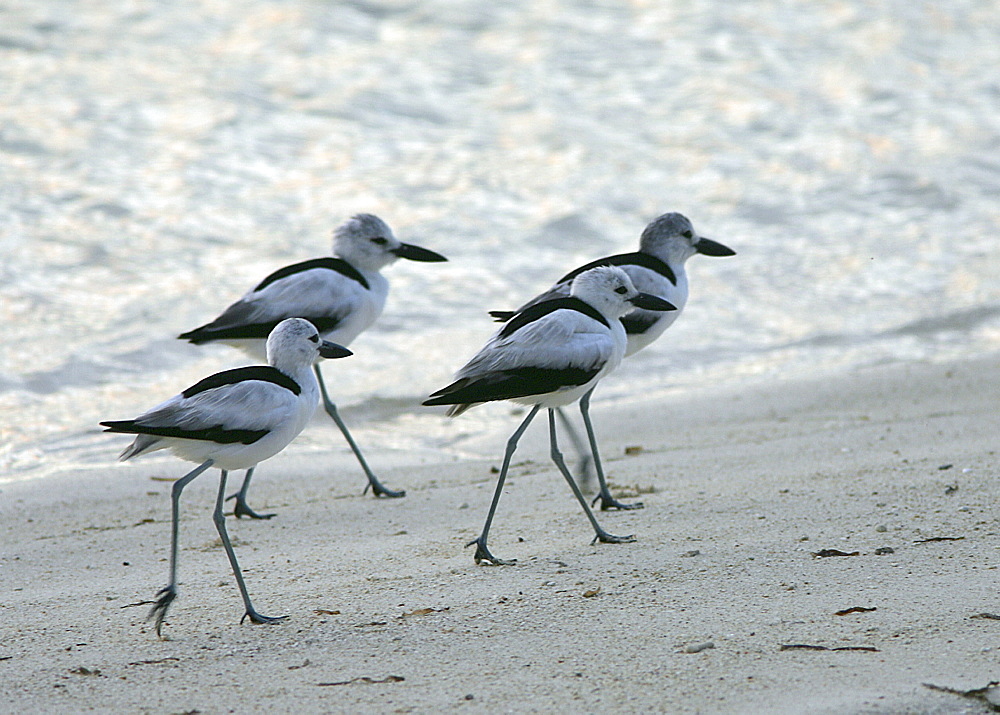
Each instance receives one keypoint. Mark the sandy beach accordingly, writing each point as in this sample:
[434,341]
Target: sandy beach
[743,487]
[814,440]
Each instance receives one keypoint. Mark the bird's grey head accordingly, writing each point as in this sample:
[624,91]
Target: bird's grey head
[295,343]
[611,291]
[366,241]
[672,239]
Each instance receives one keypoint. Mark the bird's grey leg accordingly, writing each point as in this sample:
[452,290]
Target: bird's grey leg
[378,489]
[167,594]
[242,508]
[482,552]
[220,523]
[601,535]
[607,501]
[584,476]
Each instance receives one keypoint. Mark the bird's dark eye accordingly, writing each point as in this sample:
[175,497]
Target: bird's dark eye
[314,338]
[380,241]
[687,234]
[621,290]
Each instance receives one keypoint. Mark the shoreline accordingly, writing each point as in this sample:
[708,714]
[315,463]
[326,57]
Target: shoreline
[742,486]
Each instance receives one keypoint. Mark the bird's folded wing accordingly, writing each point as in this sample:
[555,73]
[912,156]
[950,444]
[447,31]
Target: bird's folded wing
[563,339]
[511,384]
[249,406]
[321,296]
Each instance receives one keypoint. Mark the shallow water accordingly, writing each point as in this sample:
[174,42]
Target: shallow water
[159,158]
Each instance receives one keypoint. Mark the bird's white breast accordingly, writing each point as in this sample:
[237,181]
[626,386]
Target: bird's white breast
[654,283]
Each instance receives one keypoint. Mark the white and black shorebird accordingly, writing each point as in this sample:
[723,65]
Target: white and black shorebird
[550,354]
[656,268]
[233,420]
[341,295]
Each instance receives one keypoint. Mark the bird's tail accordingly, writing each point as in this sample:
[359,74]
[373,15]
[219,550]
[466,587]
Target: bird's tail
[457,403]
[196,336]
[502,316]
[142,442]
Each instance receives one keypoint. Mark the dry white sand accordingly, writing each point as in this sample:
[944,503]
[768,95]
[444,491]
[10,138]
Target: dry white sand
[388,613]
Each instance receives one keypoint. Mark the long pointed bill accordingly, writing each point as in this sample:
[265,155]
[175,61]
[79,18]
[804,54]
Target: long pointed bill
[708,247]
[651,302]
[332,350]
[416,253]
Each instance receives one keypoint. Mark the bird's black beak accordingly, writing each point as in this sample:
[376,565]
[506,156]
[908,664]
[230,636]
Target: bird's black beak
[651,302]
[416,253]
[332,350]
[708,247]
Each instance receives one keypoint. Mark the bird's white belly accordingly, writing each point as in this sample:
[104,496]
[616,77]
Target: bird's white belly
[560,398]
[356,323]
[244,456]
[638,341]
[231,456]
[653,283]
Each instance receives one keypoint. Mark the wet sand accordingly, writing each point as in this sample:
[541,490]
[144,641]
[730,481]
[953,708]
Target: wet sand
[387,612]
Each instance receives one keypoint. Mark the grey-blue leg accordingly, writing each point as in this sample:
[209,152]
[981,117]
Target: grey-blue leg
[482,552]
[601,535]
[607,501]
[242,508]
[378,489]
[584,475]
[220,523]
[167,594]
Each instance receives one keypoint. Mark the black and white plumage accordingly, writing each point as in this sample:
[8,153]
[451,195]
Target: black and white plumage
[550,354]
[658,268]
[341,295]
[233,420]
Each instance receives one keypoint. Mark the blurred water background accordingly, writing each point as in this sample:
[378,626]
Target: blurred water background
[159,157]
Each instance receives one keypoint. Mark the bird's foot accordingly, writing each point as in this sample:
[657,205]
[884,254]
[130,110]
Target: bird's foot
[606,538]
[258,618]
[380,490]
[483,554]
[608,502]
[166,596]
[242,509]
